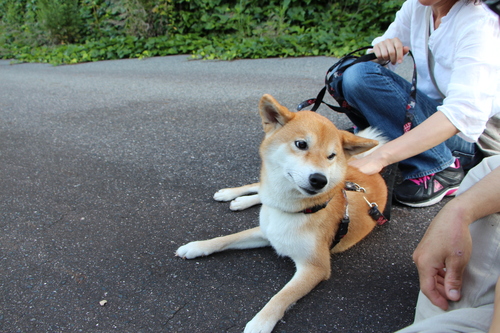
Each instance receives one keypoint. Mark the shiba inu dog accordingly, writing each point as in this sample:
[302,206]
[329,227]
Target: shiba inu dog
[305,207]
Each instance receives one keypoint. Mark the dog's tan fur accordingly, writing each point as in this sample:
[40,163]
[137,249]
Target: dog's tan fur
[284,191]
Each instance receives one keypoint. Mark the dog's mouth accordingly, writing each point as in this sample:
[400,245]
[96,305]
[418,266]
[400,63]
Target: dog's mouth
[308,191]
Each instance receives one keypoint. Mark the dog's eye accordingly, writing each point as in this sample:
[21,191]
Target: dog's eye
[330,157]
[302,145]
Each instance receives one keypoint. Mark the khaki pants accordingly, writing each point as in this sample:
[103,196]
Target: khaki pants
[473,313]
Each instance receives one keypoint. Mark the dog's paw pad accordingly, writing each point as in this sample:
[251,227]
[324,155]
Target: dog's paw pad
[225,194]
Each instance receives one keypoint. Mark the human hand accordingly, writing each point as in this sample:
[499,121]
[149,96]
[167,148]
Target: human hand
[390,50]
[368,165]
[442,254]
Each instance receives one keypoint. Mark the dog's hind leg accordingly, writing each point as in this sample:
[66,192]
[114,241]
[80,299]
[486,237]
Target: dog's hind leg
[305,279]
[242,199]
[248,239]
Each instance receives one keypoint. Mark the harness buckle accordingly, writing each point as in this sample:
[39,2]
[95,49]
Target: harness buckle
[350,186]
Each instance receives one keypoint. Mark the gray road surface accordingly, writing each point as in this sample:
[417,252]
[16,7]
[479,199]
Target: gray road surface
[106,168]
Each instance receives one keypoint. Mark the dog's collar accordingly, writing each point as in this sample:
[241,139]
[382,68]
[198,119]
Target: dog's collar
[314,209]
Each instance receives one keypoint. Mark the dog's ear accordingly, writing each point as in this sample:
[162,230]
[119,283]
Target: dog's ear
[354,144]
[273,114]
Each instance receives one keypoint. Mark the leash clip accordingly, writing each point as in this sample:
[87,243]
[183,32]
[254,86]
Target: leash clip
[375,214]
[371,204]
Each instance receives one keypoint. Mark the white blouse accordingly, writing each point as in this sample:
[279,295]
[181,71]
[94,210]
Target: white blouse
[466,50]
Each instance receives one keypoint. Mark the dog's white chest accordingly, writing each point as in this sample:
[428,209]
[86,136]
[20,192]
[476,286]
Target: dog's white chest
[287,234]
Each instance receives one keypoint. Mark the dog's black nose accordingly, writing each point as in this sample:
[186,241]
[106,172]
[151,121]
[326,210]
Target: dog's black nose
[318,181]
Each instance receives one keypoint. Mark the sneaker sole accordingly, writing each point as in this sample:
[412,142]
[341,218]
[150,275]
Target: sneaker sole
[432,201]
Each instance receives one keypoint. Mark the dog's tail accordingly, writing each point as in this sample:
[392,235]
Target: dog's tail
[374,134]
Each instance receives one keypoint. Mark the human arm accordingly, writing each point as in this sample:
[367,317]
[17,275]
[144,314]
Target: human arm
[447,243]
[397,34]
[433,131]
[495,324]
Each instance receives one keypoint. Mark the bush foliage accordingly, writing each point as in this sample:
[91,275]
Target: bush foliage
[73,31]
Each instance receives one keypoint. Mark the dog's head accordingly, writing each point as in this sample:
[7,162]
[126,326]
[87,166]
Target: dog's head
[303,152]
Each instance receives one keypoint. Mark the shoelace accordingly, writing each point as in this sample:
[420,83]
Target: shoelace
[423,180]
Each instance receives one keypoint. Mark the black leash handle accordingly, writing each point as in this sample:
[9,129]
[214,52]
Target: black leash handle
[316,102]
[319,99]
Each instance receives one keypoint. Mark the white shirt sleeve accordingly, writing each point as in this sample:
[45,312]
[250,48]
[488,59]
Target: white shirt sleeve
[472,90]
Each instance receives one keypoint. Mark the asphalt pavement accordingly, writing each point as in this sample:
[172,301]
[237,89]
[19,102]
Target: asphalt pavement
[106,168]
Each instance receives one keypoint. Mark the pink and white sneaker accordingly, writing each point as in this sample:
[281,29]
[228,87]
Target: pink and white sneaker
[431,189]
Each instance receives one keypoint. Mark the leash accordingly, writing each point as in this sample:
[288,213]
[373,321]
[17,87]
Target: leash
[374,212]
[333,78]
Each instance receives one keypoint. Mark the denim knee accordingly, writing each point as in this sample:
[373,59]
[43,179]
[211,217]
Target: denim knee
[354,78]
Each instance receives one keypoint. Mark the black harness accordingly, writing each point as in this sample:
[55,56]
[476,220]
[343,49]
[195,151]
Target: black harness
[376,215]
[344,222]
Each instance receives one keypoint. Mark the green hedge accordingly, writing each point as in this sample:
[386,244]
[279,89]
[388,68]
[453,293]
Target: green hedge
[74,31]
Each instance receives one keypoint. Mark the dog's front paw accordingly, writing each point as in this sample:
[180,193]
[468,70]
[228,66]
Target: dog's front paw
[257,325]
[226,194]
[241,203]
[193,250]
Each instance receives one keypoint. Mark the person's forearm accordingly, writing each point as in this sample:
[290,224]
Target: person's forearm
[433,131]
[495,324]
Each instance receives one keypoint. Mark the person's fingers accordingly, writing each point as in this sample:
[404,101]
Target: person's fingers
[453,280]
[390,50]
[395,50]
[440,283]
[431,289]
[399,51]
[431,278]
[381,51]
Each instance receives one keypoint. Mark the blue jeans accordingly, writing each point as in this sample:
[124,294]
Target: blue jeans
[382,96]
